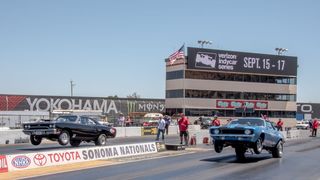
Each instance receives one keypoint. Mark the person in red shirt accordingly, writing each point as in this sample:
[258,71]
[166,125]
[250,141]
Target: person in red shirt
[280,125]
[315,126]
[215,121]
[183,123]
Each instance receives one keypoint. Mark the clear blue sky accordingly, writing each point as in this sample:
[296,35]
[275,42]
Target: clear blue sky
[118,47]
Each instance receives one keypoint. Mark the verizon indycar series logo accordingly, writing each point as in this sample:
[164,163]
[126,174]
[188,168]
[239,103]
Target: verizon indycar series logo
[206,60]
[40,159]
[21,162]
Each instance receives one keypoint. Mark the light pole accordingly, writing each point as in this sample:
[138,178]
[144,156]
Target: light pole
[71,86]
[202,42]
[281,50]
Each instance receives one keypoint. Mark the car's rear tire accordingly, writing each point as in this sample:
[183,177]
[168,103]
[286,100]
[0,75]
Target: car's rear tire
[64,138]
[257,148]
[75,143]
[35,140]
[101,140]
[278,150]
[240,153]
[218,146]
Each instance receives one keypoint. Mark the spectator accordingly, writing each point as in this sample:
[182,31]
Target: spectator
[167,120]
[183,123]
[121,120]
[215,121]
[315,126]
[128,121]
[280,125]
[161,128]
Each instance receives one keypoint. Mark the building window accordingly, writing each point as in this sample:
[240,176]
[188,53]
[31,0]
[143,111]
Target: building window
[177,93]
[239,77]
[236,95]
[174,75]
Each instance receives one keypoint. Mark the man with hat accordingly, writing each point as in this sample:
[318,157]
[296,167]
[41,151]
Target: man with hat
[215,121]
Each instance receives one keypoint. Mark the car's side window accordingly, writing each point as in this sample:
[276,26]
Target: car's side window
[91,122]
[84,120]
[269,126]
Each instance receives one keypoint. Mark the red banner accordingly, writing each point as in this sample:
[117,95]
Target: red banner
[232,104]
[3,164]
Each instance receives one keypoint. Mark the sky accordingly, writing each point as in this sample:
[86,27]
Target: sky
[118,47]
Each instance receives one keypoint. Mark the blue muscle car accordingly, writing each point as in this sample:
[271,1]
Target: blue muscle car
[248,133]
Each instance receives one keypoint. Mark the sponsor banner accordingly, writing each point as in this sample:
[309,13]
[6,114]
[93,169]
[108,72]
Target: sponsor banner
[149,130]
[232,61]
[308,111]
[106,105]
[3,164]
[52,158]
[234,104]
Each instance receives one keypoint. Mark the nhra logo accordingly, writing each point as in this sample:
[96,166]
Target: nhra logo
[40,159]
[21,162]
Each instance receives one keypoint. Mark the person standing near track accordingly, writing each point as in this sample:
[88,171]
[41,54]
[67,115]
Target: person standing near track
[161,128]
[315,126]
[167,120]
[280,125]
[215,121]
[183,123]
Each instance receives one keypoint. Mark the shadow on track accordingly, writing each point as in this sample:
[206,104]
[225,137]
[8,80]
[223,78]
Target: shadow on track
[233,159]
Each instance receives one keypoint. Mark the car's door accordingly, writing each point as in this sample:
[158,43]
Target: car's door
[271,133]
[86,128]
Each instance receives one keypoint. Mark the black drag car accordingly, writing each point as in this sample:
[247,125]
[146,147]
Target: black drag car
[71,129]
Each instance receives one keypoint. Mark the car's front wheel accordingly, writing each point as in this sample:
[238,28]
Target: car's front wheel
[218,146]
[240,153]
[258,146]
[278,150]
[101,140]
[35,140]
[64,138]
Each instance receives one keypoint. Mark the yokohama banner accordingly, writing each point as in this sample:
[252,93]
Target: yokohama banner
[52,158]
[106,105]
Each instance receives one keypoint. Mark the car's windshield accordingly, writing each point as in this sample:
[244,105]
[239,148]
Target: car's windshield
[66,119]
[249,122]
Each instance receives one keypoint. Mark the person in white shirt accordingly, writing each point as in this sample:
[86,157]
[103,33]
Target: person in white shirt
[161,128]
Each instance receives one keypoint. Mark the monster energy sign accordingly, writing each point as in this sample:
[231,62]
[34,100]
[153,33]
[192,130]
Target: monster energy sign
[144,106]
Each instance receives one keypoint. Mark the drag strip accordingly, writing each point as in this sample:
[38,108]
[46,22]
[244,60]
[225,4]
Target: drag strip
[210,165]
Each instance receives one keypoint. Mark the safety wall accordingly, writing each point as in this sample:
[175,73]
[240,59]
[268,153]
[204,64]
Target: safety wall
[17,162]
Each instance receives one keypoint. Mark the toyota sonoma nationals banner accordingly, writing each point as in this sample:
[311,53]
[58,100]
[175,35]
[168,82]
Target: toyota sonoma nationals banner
[51,158]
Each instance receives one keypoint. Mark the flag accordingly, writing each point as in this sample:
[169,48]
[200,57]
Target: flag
[177,55]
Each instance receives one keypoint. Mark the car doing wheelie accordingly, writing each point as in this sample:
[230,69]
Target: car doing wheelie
[248,133]
[71,129]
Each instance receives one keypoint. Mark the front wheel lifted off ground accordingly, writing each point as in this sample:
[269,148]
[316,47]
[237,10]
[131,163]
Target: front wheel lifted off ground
[240,153]
[64,138]
[278,150]
[35,140]
[101,140]
[218,146]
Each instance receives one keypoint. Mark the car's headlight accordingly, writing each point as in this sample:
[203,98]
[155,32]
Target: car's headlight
[112,130]
[216,131]
[51,126]
[247,131]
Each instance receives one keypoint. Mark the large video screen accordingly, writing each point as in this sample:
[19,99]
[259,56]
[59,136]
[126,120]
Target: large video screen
[232,61]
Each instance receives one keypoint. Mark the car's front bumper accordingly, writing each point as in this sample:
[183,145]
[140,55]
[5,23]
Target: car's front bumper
[234,137]
[41,132]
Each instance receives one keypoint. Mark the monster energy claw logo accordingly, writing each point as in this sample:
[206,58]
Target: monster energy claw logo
[131,106]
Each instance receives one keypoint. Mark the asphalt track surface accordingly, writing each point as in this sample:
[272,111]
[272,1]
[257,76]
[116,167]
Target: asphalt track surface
[301,160]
